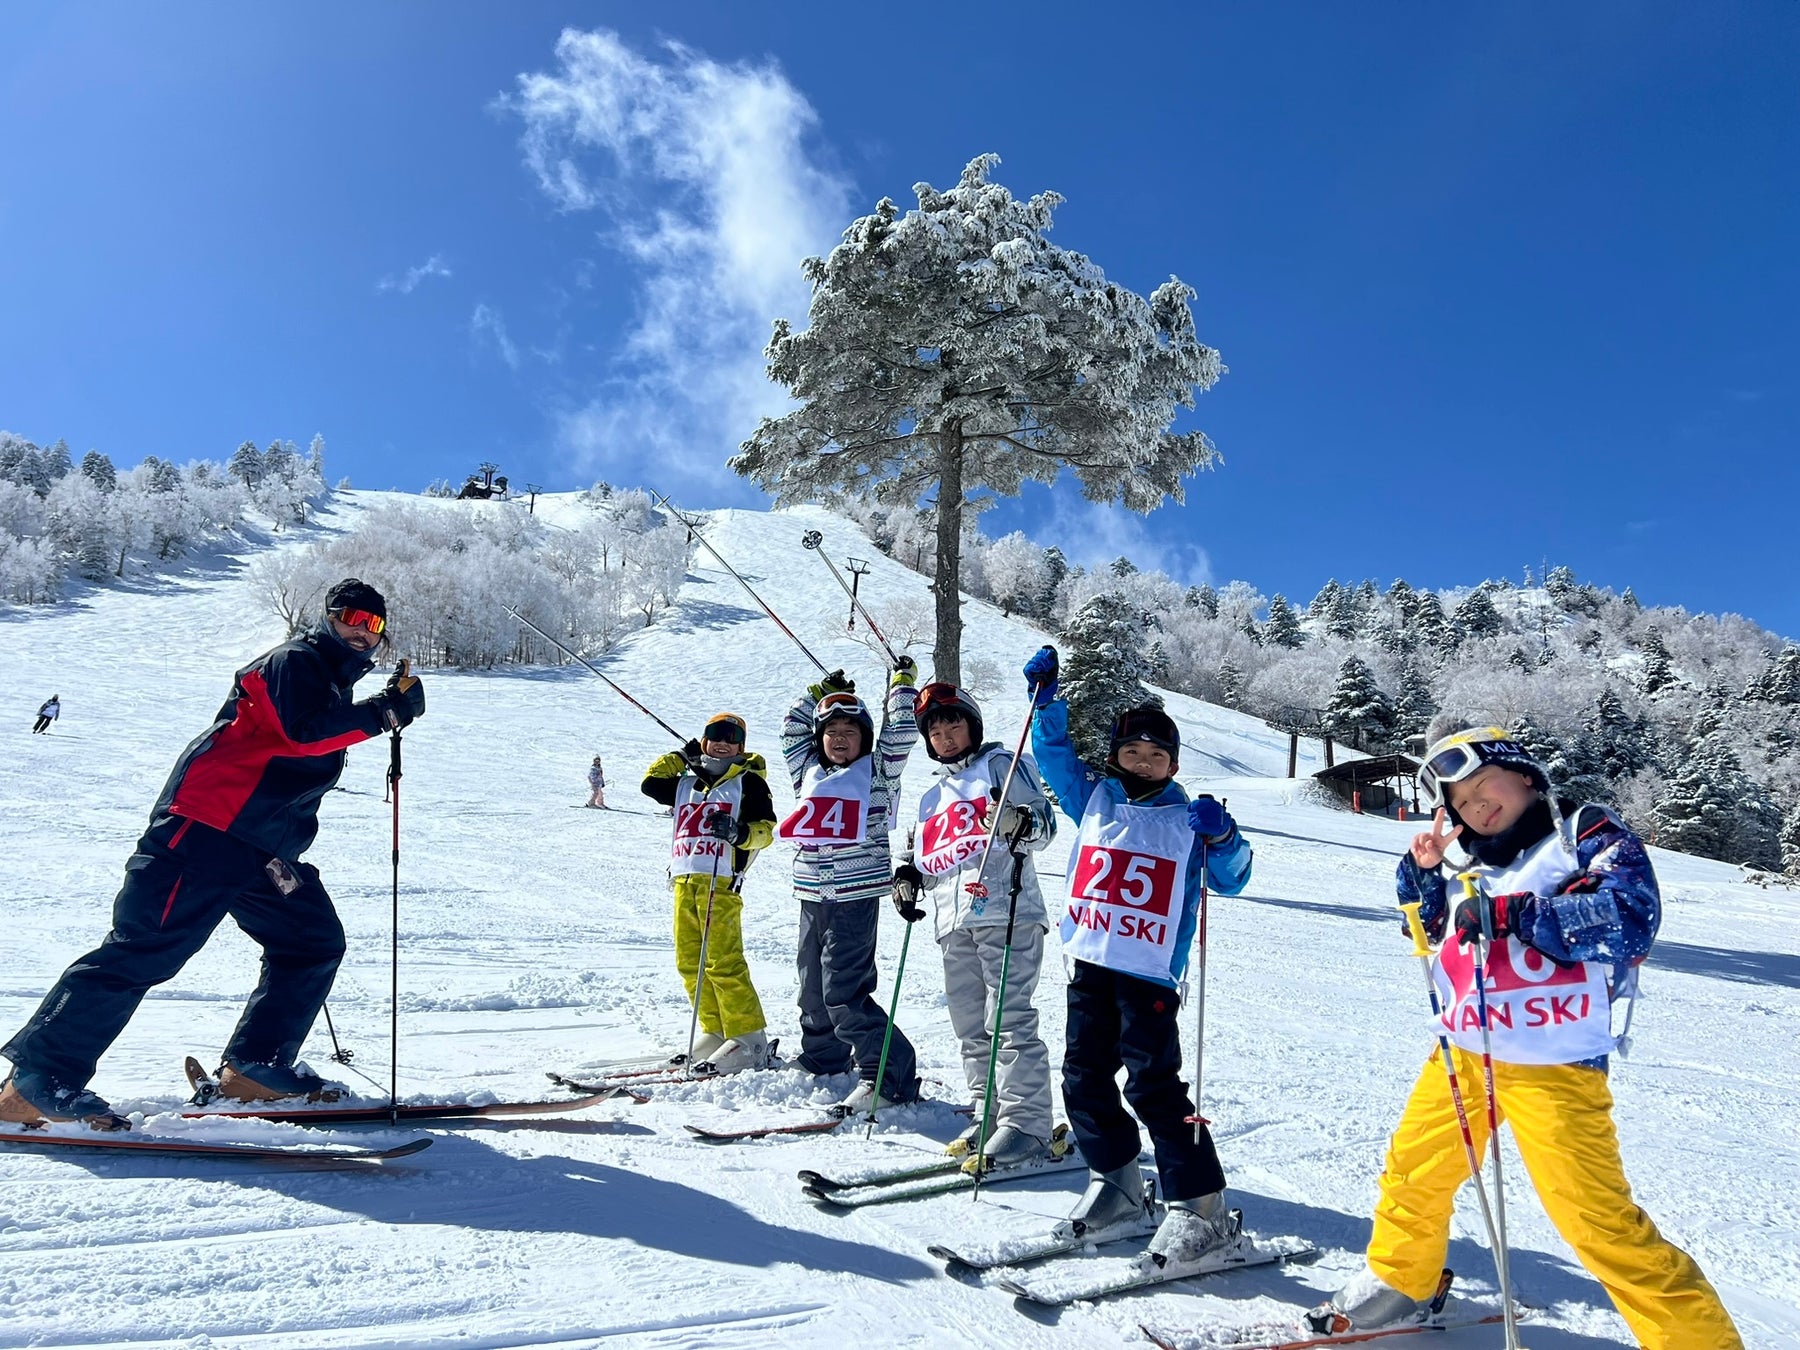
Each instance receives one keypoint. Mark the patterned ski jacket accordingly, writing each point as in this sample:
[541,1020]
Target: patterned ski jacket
[853,871]
[662,781]
[955,907]
[1227,863]
[1608,914]
[276,747]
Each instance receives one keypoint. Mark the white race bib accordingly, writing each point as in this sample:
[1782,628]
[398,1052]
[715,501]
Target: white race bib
[953,819]
[695,849]
[1127,885]
[834,806]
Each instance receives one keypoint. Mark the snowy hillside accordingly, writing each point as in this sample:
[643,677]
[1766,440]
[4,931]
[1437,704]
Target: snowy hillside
[535,936]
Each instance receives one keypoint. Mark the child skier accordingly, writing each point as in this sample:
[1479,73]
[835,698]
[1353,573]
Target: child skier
[1134,900]
[1573,909]
[848,781]
[954,822]
[723,817]
[47,713]
[597,785]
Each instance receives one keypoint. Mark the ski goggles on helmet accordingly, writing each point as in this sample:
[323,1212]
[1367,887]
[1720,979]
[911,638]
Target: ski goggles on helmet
[1464,755]
[838,705]
[939,697]
[725,727]
[361,618]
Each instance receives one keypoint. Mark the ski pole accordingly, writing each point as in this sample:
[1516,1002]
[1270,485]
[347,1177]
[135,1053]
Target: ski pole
[976,887]
[694,534]
[1199,1121]
[616,687]
[811,541]
[1422,950]
[394,976]
[1503,1258]
[987,1100]
[887,1037]
[705,936]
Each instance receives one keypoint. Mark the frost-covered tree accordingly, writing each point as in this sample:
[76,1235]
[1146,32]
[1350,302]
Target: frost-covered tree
[1205,599]
[246,464]
[1432,623]
[1621,741]
[955,350]
[1359,712]
[1319,606]
[1790,842]
[1414,706]
[1658,674]
[1476,616]
[1403,600]
[1104,666]
[1231,684]
[1015,572]
[1283,626]
[1342,619]
[1056,568]
[98,469]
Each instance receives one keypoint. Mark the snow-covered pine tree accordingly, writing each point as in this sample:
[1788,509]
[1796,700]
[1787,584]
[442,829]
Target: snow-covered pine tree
[1431,622]
[1104,668]
[1414,707]
[1621,741]
[1476,616]
[955,350]
[1231,684]
[1658,672]
[246,464]
[1790,842]
[1283,626]
[1320,605]
[98,469]
[1341,620]
[1694,815]
[1205,599]
[1359,713]
[1404,599]
[1056,567]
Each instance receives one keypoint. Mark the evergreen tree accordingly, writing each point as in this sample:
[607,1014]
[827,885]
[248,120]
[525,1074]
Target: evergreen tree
[1783,685]
[1476,616]
[1432,624]
[1415,706]
[1519,661]
[1283,627]
[1341,619]
[1231,684]
[1103,670]
[1630,600]
[1122,567]
[1056,567]
[1403,599]
[1621,741]
[57,463]
[955,350]
[1359,713]
[98,469]
[1658,673]
[1559,585]
[245,464]
[1321,603]
[1205,599]
[1696,813]
[1251,631]
[1790,842]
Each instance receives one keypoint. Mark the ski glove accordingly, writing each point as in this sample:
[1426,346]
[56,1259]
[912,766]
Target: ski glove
[1016,824]
[1209,819]
[906,672]
[692,754]
[907,879]
[401,702]
[834,683]
[723,825]
[1505,909]
[1041,676]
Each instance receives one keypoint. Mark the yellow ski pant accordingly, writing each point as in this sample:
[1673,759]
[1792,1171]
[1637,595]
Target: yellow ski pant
[1561,1117]
[728,1003]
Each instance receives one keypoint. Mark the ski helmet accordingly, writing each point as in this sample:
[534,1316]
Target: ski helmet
[1147,723]
[725,726]
[939,700]
[834,707]
[1465,753]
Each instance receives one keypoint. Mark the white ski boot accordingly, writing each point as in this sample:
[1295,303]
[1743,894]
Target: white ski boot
[1115,1204]
[1192,1233]
[862,1101]
[752,1050]
[1009,1147]
[706,1045]
[1369,1303]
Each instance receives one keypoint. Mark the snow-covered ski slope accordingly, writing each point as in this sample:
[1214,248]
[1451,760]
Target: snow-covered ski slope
[534,935]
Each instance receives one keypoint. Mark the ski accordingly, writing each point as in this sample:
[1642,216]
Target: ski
[196,1148]
[1040,1246]
[877,1176]
[1268,1336]
[919,1187]
[593,1089]
[362,1113]
[763,1131]
[1087,1278]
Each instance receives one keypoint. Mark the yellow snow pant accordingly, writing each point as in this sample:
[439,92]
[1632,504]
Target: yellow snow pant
[728,1003]
[1561,1117]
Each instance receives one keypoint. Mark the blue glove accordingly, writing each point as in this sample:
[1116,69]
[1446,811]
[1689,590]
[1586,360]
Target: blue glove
[1040,673]
[1208,819]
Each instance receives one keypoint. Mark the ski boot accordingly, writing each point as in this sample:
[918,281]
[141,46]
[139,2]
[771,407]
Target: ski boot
[965,1143]
[241,1082]
[1116,1204]
[1009,1147]
[706,1045]
[1368,1303]
[863,1101]
[34,1101]
[752,1050]
[1191,1233]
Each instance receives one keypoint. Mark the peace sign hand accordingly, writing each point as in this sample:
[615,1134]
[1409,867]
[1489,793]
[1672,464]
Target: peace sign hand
[1428,845]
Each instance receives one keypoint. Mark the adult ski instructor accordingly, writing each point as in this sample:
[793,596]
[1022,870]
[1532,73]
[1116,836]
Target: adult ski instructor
[225,837]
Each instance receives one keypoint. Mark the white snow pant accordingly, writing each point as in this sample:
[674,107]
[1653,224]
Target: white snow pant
[972,958]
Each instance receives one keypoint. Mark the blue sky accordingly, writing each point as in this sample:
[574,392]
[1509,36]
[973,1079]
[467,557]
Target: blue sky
[1494,284]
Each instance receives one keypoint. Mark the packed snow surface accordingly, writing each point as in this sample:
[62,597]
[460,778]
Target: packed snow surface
[534,936]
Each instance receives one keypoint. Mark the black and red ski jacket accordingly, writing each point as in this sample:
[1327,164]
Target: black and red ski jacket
[277,746]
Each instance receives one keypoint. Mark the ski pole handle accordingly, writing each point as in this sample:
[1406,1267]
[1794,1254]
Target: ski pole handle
[1416,925]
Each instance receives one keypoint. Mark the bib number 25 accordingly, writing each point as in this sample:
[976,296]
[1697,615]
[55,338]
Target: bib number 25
[1112,876]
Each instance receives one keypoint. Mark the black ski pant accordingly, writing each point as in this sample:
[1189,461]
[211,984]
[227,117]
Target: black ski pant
[1120,1021]
[180,884]
[42,724]
[841,1024]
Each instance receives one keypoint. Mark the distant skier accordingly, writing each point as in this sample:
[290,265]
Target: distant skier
[225,837]
[954,820]
[724,817]
[597,784]
[1134,903]
[1575,908]
[848,781]
[48,713]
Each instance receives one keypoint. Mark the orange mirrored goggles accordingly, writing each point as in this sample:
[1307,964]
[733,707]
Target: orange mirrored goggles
[361,618]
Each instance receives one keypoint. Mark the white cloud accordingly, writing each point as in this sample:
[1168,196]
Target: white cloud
[704,175]
[1094,533]
[486,325]
[408,282]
